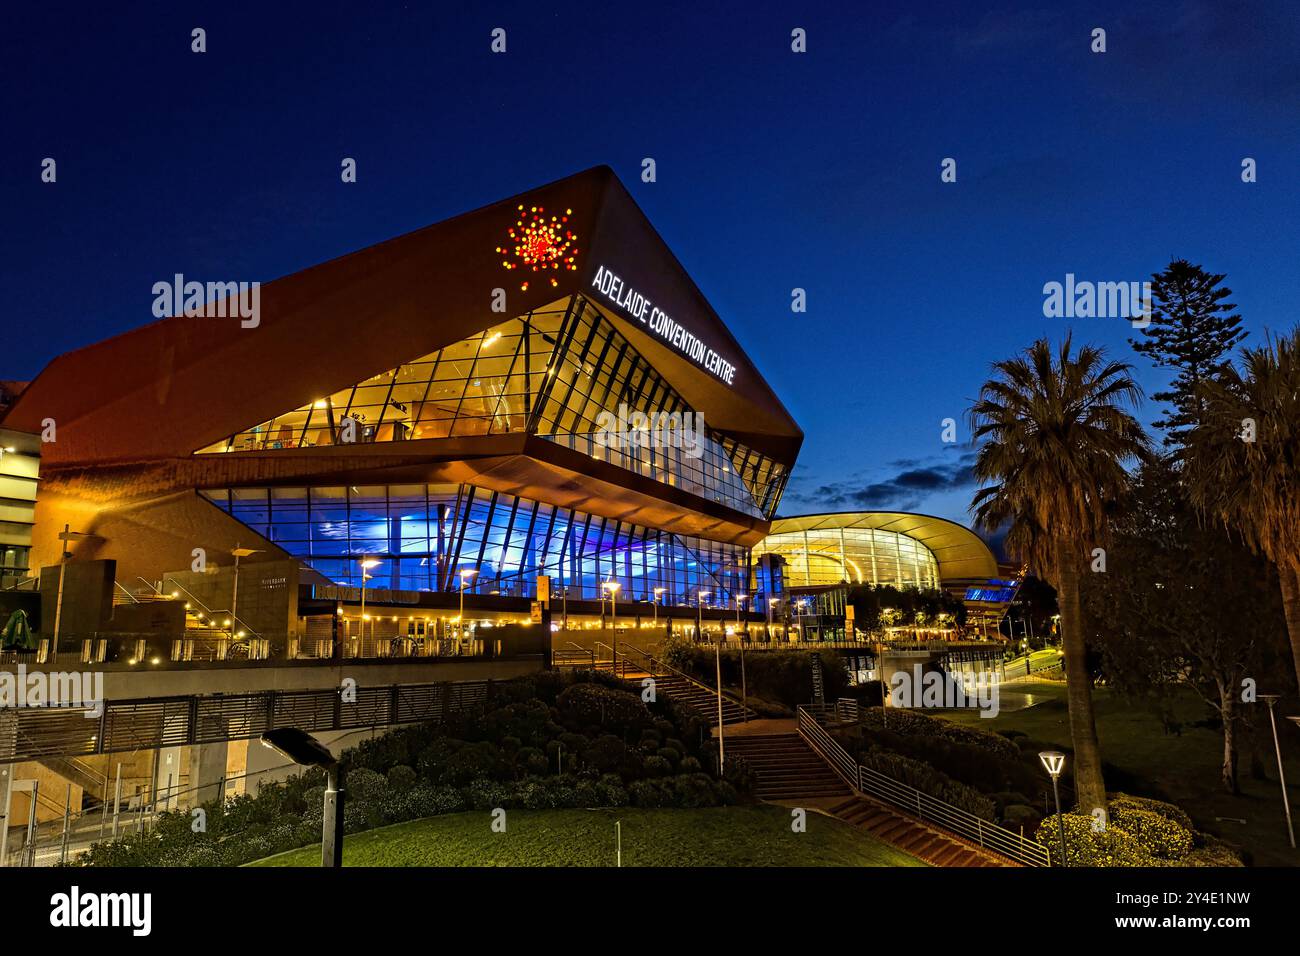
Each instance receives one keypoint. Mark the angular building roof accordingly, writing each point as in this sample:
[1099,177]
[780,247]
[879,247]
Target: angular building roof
[182,383]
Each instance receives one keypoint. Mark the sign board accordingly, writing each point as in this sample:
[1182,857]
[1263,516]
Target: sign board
[537,612]
[660,324]
[544,590]
[850,632]
[819,689]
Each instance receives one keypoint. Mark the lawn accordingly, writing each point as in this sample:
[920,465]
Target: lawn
[716,836]
[1182,768]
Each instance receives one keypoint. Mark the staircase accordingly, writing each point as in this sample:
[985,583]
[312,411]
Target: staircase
[679,688]
[786,768]
[92,783]
[912,836]
[701,699]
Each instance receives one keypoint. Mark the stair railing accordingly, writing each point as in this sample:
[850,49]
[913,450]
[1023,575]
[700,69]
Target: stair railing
[235,622]
[917,803]
[655,668]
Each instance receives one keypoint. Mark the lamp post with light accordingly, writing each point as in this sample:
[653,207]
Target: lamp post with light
[744,690]
[1054,763]
[465,575]
[612,587]
[366,565]
[699,616]
[305,750]
[658,593]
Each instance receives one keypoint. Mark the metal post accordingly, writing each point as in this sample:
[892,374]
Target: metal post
[331,846]
[1060,820]
[1281,774]
[744,687]
[58,600]
[618,837]
[29,848]
[117,800]
[722,751]
[6,794]
[67,814]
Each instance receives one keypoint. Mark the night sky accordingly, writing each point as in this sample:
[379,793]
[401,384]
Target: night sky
[775,171]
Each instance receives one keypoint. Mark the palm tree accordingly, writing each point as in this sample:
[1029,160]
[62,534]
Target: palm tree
[1243,461]
[1056,438]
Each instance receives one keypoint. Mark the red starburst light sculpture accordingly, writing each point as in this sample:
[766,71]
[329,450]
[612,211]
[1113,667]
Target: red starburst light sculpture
[541,243]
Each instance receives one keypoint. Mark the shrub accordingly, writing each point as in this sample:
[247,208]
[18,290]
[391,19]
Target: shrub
[1158,835]
[645,793]
[402,777]
[657,767]
[484,794]
[603,706]
[1121,802]
[1214,852]
[1088,847]
[605,753]
[474,761]
[610,791]
[927,779]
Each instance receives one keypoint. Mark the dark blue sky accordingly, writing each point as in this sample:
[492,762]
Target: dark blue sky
[775,170]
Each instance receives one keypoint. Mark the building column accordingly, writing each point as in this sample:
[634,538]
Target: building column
[167,783]
[207,772]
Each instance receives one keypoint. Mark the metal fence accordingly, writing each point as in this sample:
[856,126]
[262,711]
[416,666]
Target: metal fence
[942,814]
[147,724]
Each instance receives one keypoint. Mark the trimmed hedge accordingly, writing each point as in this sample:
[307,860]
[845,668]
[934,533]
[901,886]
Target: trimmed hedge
[1139,832]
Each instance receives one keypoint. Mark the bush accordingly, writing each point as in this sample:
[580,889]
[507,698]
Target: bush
[657,767]
[927,779]
[603,706]
[1158,835]
[402,777]
[471,760]
[1086,847]
[1122,802]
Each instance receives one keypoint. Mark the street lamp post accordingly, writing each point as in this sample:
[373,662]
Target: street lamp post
[305,750]
[658,592]
[767,634]
[366,565]
[464,576]
[744,690]
[612,587]
[1271,700]
[1054,763]
[699,616]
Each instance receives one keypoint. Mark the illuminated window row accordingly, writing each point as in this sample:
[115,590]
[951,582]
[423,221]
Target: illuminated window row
[423,537]
[855,555]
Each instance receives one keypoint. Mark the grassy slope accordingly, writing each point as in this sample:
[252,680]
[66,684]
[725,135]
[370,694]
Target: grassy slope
[723,836]
[1183,769]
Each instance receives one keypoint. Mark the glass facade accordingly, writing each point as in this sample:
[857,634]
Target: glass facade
[563,373]
[423,536]
[14,561]
[855,555]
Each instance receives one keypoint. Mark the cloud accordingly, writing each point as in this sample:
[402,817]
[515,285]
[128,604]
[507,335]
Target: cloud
[903,491]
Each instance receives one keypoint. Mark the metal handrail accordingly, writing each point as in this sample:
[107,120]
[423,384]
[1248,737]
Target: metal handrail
[653,661]
[121,587]
[235,620]
[886,789]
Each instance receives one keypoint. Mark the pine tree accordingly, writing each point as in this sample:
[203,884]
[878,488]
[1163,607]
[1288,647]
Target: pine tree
[1194,330]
